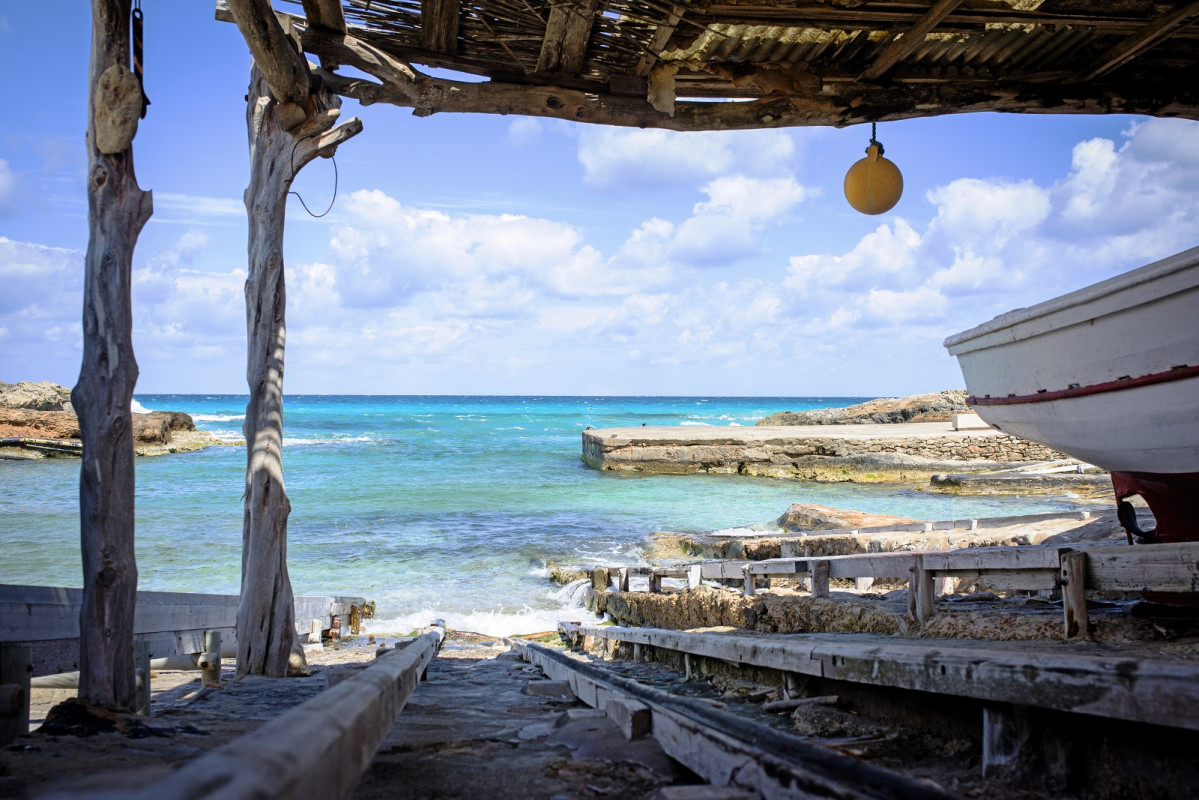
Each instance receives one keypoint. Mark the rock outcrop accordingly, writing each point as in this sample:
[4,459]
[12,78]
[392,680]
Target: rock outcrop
[40,396]
[43,411]
[811,517]
[938,407]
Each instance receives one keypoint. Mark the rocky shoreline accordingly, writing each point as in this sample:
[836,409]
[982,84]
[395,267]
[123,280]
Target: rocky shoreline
[931,441]
[43,412]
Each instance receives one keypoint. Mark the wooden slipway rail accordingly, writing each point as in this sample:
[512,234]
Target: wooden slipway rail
[318,749]
[1158,691]
[724,748]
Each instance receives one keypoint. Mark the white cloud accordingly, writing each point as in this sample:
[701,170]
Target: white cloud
[525,130]
[196,209]
[725,229]
[38,277]
[8,189]
[625,160]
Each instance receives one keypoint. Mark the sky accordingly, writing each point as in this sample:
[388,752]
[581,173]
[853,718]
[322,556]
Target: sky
[482,254]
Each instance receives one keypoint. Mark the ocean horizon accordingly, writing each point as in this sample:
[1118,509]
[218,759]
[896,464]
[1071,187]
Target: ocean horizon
[450,506]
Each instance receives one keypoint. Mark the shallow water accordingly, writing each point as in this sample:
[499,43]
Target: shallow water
[433,506]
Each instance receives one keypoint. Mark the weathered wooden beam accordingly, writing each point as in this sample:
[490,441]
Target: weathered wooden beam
[907,42]
[727,749]
[1165,691]
[317,749]
[117,211]
[267,643]
[15,672]
[1141,41]
[325,14]
[276,55]
[661,37]
[819,572]
[566,34]
[1074,594]
[855,18]
[439,26]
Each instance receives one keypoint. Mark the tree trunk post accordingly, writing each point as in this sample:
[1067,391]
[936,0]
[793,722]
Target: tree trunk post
[117,210]
[266,637]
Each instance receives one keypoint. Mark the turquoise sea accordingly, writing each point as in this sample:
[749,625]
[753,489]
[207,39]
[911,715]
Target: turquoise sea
[432,506]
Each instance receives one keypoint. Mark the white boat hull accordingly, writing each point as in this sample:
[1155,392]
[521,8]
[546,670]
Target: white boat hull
[1109,375]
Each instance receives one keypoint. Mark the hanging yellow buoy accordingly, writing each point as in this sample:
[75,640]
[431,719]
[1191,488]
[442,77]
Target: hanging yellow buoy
[873,185]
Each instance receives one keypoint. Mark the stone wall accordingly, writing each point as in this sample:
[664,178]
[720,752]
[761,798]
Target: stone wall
[827,457]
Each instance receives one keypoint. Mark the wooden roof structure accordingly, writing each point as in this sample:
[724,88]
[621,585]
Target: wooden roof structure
[738,64]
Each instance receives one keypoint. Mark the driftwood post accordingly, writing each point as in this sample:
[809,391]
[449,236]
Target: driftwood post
[266,635]
[117,210]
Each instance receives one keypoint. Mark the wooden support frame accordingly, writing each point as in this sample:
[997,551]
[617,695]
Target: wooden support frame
[904,45]
[1074,594]
[439,21]
[566,34]
[1165,692]
[117,211]
[1140,41]
[267,642]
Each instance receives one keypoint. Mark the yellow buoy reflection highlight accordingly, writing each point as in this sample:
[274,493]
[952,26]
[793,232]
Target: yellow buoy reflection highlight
[873,184]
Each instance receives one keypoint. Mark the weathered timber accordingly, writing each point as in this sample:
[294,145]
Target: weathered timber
[267,642]
[1161,691]
[566,35]
[1140,41]
[661,38]
[726,749]
[1074,593]
[317,749]
[15,672]
[55,446]
[905,44]
[820,573]
[282,65]
[174,623]
[117,211]
[141,672]
[439,26]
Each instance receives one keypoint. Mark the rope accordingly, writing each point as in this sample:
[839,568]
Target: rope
[297,194]
[874,139]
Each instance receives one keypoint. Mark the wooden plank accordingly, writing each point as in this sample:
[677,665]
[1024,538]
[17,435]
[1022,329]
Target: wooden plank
[778,566]
[873,565]
[903,46]
[564,47]
[1160,691]
[439,26]
[1037,580]
[729,750]
[325,14]
[722,570]
[319,748]
[662,35]
[1159,567]
[1140,41]
[993,558]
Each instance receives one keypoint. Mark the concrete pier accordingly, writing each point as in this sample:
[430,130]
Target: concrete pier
[899,452]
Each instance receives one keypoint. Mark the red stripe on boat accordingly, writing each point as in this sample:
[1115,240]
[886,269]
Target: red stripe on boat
[1176,374]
